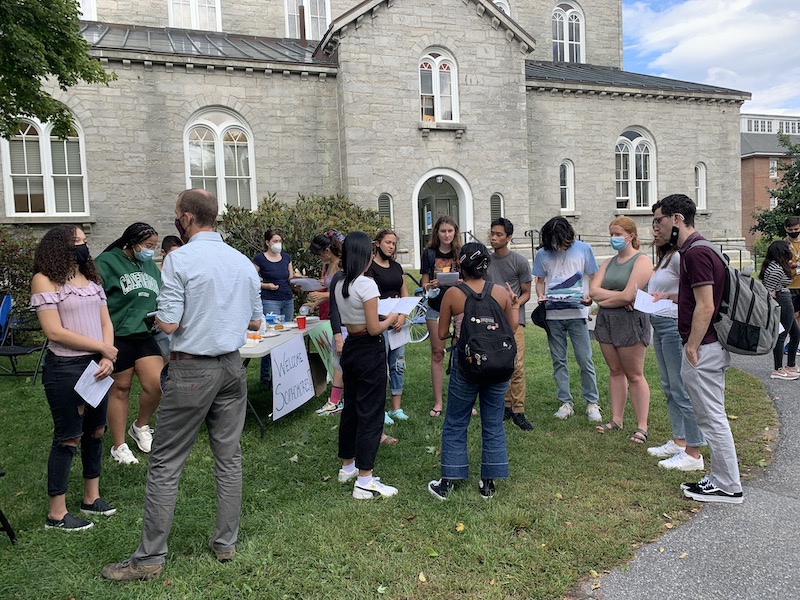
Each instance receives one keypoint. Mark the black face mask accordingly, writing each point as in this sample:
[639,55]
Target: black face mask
[82,254]
[382,255]
[793,234]
[673,237]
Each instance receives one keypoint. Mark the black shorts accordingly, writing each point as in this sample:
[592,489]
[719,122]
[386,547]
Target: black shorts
[796,299]
[132,349]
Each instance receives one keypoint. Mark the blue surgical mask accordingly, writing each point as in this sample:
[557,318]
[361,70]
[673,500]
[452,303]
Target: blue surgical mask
[618,242]
[144,254]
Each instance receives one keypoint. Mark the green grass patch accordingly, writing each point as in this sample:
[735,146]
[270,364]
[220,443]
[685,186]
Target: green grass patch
[576,502]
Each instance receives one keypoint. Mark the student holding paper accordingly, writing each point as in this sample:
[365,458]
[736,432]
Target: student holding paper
[388,274]
[71,306]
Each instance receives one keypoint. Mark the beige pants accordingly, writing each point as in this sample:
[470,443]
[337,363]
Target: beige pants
[515,396]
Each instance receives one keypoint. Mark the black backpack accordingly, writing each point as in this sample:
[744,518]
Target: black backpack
[486,348]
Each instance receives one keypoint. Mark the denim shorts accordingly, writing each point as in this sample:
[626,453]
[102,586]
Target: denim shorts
[432,314]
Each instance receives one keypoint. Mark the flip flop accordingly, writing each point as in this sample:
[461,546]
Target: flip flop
[639,436]
[435,413]
[610,426]
[388,440]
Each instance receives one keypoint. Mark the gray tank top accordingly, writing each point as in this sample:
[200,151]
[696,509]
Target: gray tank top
[617,275]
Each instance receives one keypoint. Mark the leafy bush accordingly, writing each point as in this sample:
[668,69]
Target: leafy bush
[297,223]
[17,247]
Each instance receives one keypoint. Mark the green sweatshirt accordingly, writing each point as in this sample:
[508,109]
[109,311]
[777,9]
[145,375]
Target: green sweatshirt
[132,288]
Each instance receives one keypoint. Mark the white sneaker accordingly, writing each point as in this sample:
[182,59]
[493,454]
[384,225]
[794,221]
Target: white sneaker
[345,476]
[123,455]
[682,462]
[329,408]
[143,436]
[665,451]
[564,412]
[374,489]
[593,413]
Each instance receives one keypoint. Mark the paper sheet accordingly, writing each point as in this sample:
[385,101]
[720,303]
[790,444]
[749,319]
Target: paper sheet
[90,389]
[399,338]
[645,303]
[307,284]
[401,306]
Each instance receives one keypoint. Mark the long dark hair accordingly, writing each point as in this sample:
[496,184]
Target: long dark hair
[134,234]
[474,260]
[331,240]
[435,242]
[778,252]
[356,256]
[664,252]
[55,257]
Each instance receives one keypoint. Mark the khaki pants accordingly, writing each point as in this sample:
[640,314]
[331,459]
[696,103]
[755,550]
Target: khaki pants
[515,396]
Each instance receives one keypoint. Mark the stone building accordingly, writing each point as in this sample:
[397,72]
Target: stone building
[762,156]
[416,108]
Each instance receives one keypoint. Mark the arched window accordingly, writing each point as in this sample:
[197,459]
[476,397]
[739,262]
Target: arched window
[495,206]
[42,174]
[317,13]
[566,185]
[386,208]
[700,185]
[503,5]
[219,158]
[568,33]
[438,90]
[195,14]
[635,177]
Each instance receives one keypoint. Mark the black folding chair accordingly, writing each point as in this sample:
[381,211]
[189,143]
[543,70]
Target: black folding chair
[21,322]
[5,524]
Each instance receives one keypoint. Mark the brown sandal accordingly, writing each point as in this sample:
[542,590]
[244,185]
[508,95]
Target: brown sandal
[610,426]
[435,413]
[388,440]
[639,436]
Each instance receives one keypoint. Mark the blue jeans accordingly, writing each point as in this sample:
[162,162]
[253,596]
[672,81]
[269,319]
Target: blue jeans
[397,365]
[669,354]
[460,399]
[578,333]
[276,307]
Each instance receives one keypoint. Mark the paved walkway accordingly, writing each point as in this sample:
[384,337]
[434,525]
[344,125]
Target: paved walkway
[741,552]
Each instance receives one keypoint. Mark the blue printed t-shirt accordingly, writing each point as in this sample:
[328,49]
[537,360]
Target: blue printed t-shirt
[274,272]
[567,283]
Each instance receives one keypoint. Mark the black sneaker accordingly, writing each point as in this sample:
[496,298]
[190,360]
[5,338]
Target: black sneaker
[68,523]
[441,488]
[486,488]
[98,507]
[691,485]
[521,422]
[507,414]
[705,491]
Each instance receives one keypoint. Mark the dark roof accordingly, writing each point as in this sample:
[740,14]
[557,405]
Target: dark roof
[201,44]
[559,72]
[764,144]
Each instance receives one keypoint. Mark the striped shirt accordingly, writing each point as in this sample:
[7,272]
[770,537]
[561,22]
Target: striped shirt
[212,291]
[775,278]
[79,311]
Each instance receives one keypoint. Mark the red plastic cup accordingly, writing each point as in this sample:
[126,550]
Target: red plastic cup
[301,322]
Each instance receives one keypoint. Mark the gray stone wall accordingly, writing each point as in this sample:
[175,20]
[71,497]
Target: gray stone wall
[584,129]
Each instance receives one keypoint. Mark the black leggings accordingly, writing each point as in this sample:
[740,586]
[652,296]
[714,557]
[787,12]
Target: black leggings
[784,299]
[364,373]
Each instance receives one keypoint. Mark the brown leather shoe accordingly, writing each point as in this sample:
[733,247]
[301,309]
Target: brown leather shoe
[127,571]
[223,556]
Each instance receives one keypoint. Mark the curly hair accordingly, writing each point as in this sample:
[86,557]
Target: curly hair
[55,257]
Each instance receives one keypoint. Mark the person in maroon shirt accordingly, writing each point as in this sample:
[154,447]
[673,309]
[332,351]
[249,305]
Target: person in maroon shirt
[702,282]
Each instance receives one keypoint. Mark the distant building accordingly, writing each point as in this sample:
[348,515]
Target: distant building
[416,108]
[762,157]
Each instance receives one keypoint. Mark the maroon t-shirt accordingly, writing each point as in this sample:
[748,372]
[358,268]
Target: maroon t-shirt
[699,266]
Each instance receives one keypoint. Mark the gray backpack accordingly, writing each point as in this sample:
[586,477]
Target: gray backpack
[749,318]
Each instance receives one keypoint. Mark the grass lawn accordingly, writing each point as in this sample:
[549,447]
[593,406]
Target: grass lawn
[576,502]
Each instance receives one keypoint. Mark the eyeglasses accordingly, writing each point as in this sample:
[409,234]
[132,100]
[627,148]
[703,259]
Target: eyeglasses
[657,221]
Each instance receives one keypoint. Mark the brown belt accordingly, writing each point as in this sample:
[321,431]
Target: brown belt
[361,333]
[184,356]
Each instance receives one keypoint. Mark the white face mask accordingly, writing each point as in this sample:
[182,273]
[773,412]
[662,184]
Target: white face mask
[276,248]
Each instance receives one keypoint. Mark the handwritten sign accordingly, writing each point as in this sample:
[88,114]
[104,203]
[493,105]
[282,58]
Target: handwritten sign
[321,338]
[292,385]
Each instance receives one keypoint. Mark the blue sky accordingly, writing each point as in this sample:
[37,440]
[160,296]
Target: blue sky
[750,45]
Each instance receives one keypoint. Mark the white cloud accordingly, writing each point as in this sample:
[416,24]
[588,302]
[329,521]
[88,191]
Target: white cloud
[749,45]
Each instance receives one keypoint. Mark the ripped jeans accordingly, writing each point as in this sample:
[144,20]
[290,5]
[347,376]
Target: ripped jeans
[396,360]
[72,418]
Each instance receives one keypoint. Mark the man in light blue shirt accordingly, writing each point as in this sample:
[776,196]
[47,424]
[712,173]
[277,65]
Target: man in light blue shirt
[209,298]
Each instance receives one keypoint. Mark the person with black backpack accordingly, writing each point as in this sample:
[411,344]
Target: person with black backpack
[483,362]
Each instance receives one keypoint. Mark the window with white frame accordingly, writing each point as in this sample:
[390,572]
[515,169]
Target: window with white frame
[495,206]
[503,5]
[316,14]
[219,158]
[773,202]
[635,178]
[195,14]
[773,168]
[42,174]
[568,33]
[385,208]
[438,91]
[700,185]
[88,10]
[566,185]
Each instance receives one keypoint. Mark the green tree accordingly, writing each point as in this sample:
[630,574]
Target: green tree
[41,40]
[770,222]
[17,247]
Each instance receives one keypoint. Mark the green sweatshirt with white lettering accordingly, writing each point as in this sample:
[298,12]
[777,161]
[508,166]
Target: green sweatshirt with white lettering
[132,289]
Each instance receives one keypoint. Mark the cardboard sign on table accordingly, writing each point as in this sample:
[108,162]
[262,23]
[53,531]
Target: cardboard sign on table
[292,384]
